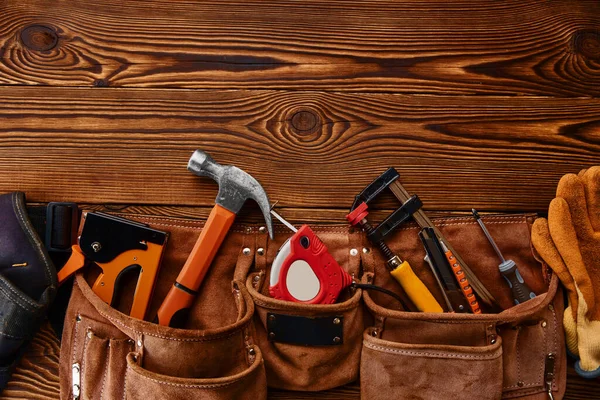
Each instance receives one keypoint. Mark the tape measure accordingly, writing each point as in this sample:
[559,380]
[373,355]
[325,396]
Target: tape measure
[304,272]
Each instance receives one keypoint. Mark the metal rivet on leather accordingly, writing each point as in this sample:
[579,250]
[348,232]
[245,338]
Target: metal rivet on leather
[90,334]
[366,250]
[271,335]
[246,251]
[336,340]
[78,318]
[139,343]
[272,318]
[262,229]
[353,252]
[260,251]
[251,351]
[544,324]
[336,321]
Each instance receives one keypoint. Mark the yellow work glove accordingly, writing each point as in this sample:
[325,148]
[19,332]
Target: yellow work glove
[542,241]
[574,228]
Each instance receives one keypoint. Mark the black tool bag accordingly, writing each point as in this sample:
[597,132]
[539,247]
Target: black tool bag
[27,281]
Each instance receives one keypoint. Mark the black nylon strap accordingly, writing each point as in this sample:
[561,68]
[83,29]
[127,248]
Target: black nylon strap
[56,224]
[59,234]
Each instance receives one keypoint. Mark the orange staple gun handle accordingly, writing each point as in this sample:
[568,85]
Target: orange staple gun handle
[74,264]
[183,292]
[463,282]
[148,260]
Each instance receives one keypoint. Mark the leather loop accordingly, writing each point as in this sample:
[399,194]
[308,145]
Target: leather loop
[367,259]
[245,261]
[261,250]
[355,243]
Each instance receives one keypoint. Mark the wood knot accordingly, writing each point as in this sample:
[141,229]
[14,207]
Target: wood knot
[587,43]
[304,122]
[100,83]
[39,38]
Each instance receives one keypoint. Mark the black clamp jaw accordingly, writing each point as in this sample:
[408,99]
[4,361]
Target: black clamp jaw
[395,219]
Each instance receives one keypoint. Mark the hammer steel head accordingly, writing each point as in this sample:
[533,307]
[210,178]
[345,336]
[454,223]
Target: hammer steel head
[235,185]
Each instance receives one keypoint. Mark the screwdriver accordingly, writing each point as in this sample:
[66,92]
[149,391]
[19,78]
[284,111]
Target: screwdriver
[508,268]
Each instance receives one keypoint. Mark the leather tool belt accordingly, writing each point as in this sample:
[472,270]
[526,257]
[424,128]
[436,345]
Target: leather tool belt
[238,339]
[27,280]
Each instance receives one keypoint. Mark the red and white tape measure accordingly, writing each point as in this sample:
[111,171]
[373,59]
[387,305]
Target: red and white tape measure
[304,272]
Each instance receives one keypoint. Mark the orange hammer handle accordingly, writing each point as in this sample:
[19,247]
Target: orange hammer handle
[182,294]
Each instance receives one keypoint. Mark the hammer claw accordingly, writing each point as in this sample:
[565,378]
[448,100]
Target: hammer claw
[235,187]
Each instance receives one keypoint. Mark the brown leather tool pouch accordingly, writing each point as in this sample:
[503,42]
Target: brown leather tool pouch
[515,353]
[234,323]
[308,347]
[106,354]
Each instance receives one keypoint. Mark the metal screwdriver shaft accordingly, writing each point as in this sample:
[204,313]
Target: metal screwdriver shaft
[487,234]
[508,268]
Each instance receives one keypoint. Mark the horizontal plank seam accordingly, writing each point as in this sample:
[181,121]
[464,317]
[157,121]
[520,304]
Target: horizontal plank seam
[351,91]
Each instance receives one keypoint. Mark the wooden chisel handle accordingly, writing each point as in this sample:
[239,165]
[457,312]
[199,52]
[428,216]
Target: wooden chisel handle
[174,308]
[415,289]
[463,282]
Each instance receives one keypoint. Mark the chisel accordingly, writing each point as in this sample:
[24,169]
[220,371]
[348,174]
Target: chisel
[471,283]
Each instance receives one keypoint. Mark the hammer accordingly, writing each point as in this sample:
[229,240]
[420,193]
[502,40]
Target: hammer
[235,187]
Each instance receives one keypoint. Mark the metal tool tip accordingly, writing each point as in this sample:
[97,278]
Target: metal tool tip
[475,213]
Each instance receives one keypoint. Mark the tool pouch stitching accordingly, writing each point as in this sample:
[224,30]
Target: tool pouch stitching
[382,315]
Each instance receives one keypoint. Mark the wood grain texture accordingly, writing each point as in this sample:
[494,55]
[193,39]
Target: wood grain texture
[251,214]
[132,146]
[314,98]
[460,47]
[37,375]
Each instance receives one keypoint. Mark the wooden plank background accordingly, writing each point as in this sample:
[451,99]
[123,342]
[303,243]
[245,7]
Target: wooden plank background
[477,103]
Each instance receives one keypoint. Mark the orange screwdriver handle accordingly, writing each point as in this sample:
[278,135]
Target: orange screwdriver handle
[463,282]
[186,286]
